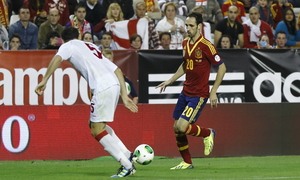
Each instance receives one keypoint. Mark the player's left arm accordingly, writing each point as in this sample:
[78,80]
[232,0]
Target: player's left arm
[213,92]
[53,65]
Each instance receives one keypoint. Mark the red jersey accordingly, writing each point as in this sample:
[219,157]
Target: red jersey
[198,60]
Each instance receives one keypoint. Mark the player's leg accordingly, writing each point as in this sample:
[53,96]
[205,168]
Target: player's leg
[187,119]
[118,141]
[181,138]
[103,105]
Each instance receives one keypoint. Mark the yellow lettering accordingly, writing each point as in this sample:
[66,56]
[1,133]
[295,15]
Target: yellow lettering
[189,64]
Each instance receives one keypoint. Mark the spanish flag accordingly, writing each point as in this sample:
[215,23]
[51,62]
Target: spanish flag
[4,13]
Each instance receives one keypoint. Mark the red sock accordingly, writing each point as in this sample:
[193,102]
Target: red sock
[183,147]
[195,130]
[101,135]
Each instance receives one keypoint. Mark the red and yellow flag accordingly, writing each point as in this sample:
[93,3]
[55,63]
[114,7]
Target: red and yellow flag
[4,13]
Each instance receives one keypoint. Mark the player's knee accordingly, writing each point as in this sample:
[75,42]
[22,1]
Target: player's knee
[181,129]
[97,128]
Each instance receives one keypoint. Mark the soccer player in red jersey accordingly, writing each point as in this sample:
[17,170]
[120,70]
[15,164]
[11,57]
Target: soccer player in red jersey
[199,54]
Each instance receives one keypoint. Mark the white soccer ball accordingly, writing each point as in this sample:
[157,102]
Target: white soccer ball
[144,154]
[128,88]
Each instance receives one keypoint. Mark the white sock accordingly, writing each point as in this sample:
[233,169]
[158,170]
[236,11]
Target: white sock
[118,141]
[110,146]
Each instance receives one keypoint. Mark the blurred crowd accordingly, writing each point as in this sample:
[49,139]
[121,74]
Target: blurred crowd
[149,24]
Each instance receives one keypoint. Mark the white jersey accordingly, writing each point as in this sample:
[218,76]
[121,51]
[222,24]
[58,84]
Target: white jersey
[86,58]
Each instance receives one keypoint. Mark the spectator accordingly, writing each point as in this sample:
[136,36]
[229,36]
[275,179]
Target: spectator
[3,35]
[212,12]
[182,9]
[110,55]
[241,10]
[26,29]
[106,41]
[225,42]
[248,4]
[151,7]
[15,42]
[172,24]
[87,37]
[254,28]
[114,13]
[165,40]
[50,25]
[94,11]
[53,40]
[280,40]
[206,29]
[136,41]
[291,29]
[38,11]
[277,10]
[79,21]
[232,27]
[264,42]
[264,11]
[62,6]
[140,12]
[126,6]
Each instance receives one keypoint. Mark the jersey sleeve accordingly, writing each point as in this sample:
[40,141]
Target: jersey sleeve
[64,51]
[212,54]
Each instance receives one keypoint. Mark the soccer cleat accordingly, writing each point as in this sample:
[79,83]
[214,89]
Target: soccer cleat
[131,159]
[183,165]
[124,172]
[209,142]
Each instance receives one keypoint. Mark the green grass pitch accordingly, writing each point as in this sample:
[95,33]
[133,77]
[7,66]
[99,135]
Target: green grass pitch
[228,168]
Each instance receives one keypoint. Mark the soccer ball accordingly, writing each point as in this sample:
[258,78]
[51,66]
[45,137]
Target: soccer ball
[128,88]
[143,154]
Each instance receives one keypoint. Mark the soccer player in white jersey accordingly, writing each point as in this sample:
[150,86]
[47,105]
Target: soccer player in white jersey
[106,82]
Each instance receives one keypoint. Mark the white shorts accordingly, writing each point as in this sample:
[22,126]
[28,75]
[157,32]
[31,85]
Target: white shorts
[104,103]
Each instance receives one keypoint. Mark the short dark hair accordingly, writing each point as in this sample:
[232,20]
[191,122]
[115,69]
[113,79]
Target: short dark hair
[134,36]
[79,6]
[23,7]
[51,34]
[197,16]
[106,33]
[164,33]
[223,36]
[15,35]
[69,33]
[280,32]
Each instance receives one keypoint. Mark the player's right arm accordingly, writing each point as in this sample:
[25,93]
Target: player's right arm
[180,71]
[53,65]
